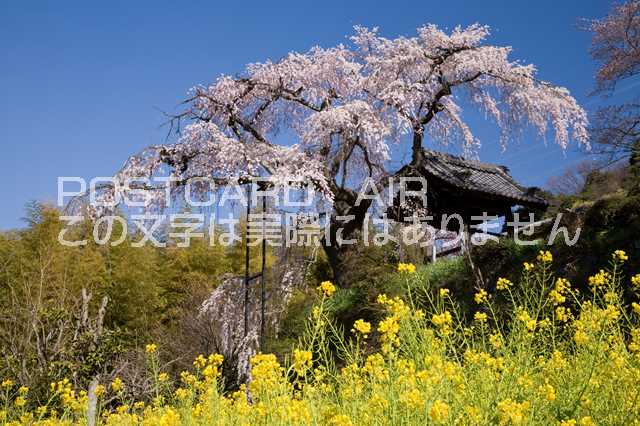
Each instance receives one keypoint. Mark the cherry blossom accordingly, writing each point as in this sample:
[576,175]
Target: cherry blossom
[616,43]
[342,110]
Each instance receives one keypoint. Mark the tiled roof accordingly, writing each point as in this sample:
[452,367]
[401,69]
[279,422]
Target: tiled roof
[477,176]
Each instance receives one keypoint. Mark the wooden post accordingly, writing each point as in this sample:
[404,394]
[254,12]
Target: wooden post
[92,403]
[246,265]
[466,240]
[262,288]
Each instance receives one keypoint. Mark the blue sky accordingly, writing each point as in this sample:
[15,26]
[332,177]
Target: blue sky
[82,83]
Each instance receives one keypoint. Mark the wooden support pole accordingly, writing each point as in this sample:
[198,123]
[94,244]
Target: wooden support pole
[466,233]
[264,264]
[246,264]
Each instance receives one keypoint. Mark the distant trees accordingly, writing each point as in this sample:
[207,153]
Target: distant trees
[572,179]
[614,129]
[41,323]
[52,296]
[616,132]
[616,46]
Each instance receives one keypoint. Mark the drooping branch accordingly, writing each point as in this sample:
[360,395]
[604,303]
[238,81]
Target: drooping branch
[343,109]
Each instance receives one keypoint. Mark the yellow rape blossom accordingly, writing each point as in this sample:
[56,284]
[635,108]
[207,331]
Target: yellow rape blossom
[526,319]
[412,399]
[100,390]
[327,288]
[20,401]
[439,411]
[265,371]
[586,421]
[302,361]
[495,340]
[620,256]
[503,284]
[395,306]
[442,320]
[340,420]
[545,256]
[362,327]
[635,281]
[511,412]
[480,317]
[547,392]
[403,381]
[598,280]
[562,314]
[406,268]
[182,393]
[200,361]
[116,385]
[557,294]
[170,418]
[389,329]
[481,296]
